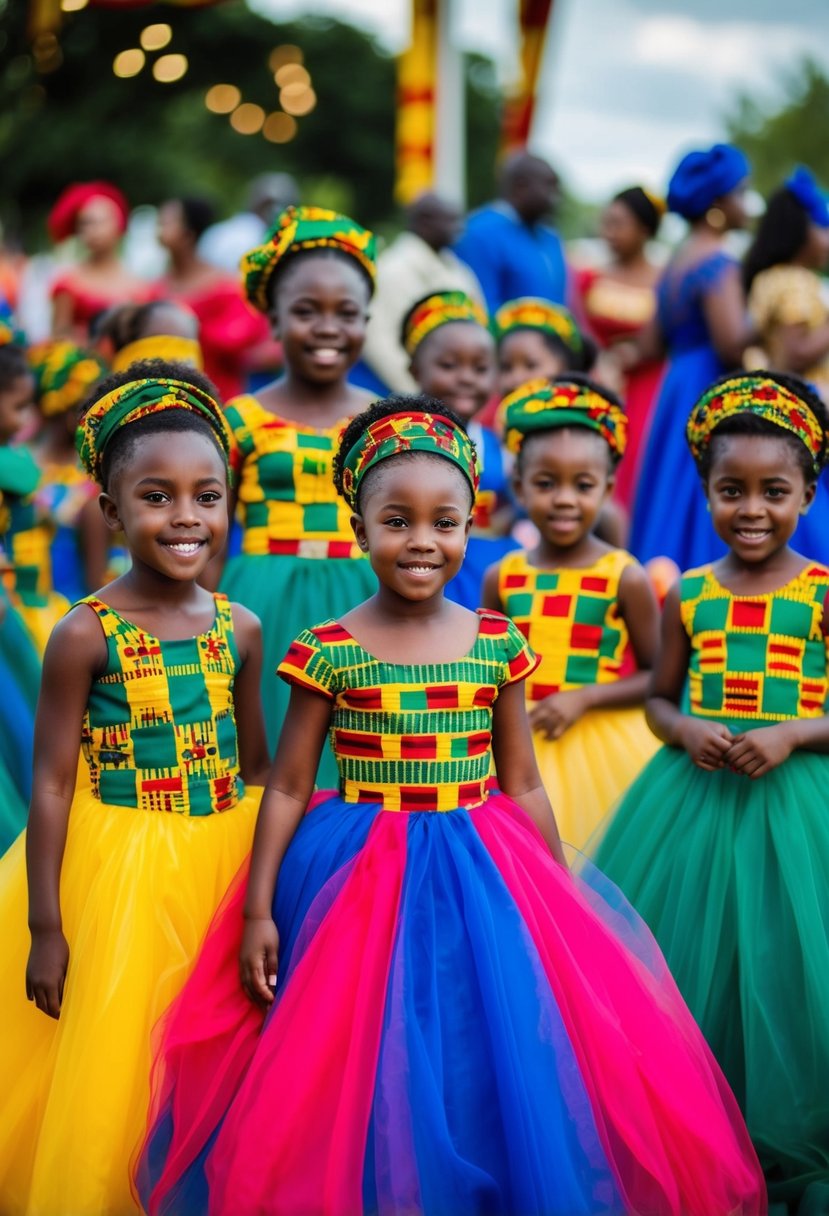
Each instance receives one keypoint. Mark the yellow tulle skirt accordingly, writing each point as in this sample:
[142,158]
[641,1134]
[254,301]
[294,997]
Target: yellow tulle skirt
[587,770]
[137,893]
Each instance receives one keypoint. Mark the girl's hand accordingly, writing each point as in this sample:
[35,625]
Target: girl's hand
[707,743]
[46,970]
[756,752]
[258,960]
[555,713]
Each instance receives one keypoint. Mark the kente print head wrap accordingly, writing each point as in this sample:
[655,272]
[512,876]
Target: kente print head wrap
[529,312]
[408,432]
[137,399]
[64,374]
[438,309]
[545,405]
[299,230]
[758,394]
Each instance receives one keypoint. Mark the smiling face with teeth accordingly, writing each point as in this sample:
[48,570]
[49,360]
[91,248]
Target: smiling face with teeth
[414,521]
[757,493]
[170,499]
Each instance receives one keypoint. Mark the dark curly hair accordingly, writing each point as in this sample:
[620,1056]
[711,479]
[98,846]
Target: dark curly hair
[752,424]
[399,403]
[124,441]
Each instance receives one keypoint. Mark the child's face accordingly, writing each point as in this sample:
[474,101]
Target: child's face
[170,498]
[414,523]
[563,479]
[524,355]
[16,400]
[456,364]
[756,493]
[320,317]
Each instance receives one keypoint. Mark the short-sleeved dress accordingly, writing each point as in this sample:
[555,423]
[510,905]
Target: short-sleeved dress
[571,619]
[732,874]
[299,559]
[159,825]
[460,1025]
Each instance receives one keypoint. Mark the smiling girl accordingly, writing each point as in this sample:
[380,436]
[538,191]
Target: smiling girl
[723,842]
[129,851]
[313,277]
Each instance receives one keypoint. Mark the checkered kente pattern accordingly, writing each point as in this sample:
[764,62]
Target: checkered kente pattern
[756,657]
[571,619]
[159,731]
[287,498]
[412,737]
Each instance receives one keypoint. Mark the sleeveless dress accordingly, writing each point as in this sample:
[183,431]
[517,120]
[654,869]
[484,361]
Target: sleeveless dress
[485,545]
[299,559]
[614,312]
[159,825]
[570,618]
[732,875]
[458,1029]
[670,516]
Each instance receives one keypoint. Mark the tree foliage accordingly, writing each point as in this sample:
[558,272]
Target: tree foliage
[80,121]
[776,137]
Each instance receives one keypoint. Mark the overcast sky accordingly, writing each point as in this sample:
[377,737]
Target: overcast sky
[627,84]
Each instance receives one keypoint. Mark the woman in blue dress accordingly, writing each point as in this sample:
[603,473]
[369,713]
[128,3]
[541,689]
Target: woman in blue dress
[701,323]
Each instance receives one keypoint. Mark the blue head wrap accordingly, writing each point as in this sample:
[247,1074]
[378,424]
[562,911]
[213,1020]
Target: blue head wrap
[702,177]
[805,189]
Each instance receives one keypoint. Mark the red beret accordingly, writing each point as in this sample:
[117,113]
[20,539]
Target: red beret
[64,214]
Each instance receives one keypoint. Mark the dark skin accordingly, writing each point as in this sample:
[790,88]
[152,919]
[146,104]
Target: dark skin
[757,492]
[56,446]
[802,346]
[413,523]
[169,498]
[319,314]
[562,480]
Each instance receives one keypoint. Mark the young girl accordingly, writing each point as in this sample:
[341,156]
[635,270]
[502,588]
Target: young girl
[313,277]
[538,339]
[456,1027]
[723,842]
[74,539]
[452,354]
[147,679]
[587,609]
[160,329]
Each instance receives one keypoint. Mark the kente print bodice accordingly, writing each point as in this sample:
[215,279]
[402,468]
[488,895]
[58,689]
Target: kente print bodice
[412,737]
[760,658]
[159,731]
[571,620]
[287,500]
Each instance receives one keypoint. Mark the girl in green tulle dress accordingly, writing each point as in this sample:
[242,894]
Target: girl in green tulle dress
[722,843]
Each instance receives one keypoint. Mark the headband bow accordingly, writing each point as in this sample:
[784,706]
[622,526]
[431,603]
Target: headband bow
[545,405]
[414,432]
[137,399]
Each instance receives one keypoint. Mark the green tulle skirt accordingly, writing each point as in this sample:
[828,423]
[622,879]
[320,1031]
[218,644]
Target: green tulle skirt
[290,594]
[732,876]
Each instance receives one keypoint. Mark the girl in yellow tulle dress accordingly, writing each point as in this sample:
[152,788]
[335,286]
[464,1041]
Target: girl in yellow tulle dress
[126,863]
[586,608]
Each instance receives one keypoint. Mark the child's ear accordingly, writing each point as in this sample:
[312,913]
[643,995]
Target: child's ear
[517,488]
[808,497]
[109,508]
[273,320]
[359,530]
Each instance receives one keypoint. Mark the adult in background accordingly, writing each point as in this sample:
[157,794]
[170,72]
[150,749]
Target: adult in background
[228,326]
[617,301]
[418,263]
[702,326]
[508,245]
[96,213]
[224,244]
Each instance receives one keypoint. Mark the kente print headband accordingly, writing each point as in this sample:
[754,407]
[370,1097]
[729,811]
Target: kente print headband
[411,432]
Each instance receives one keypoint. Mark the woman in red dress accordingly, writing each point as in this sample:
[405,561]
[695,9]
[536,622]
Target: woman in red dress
[616,302]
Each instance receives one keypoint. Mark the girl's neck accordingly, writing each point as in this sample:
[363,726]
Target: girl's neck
[311,403]
[759,578]
[105,260]
[585,552]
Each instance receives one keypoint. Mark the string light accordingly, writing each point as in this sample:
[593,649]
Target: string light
[287,53]
[279,128]
[168,68]
[292,73]
[222,98]
[154,37]
[247,118]
[297,99]
[129,63]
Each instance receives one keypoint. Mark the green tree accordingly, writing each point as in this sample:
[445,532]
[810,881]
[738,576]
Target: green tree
[66,116]
[776,137]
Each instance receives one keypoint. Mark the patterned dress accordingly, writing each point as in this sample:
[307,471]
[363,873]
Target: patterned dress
[731,873]
[457,1028]
[159,825]
[63,494]
[571,619]
[299,559]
